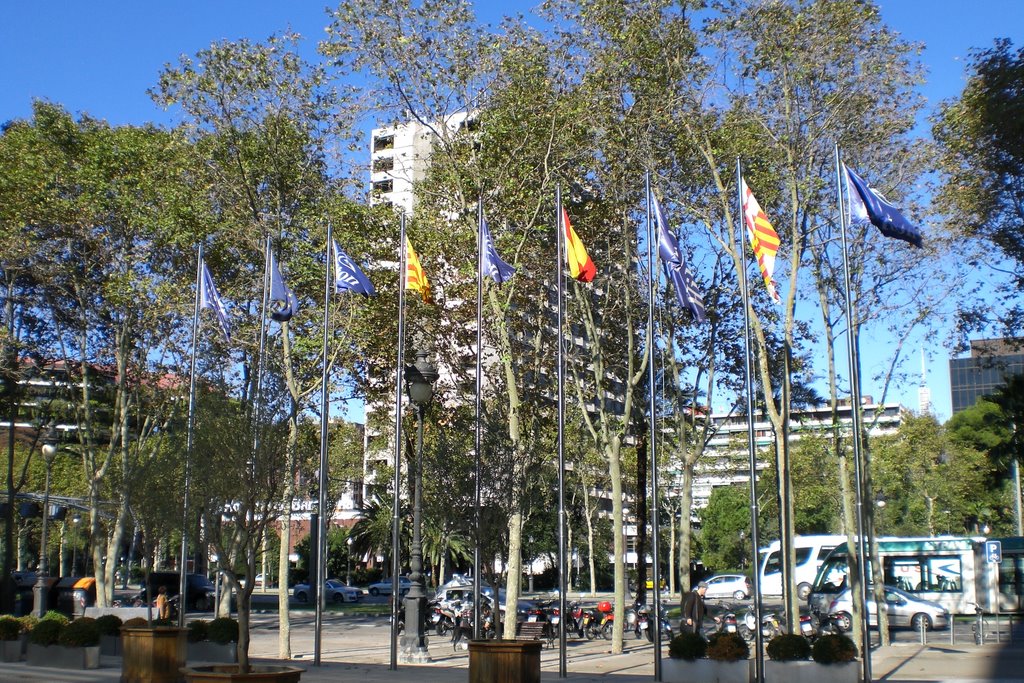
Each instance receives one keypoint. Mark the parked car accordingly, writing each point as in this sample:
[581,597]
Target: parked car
[735,586]
[334,592]
[384,587]
[903,609]
[199,590]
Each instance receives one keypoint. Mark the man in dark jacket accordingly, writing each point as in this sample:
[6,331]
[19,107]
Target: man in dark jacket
[693,609]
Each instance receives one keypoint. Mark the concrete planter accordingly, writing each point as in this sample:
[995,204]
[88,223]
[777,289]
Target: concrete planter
[62,657]
[206,651]
[705,671]
[811,672]
[228,673]
[110,646]
[10,650]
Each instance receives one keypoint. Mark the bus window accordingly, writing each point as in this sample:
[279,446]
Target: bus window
[772,564]
[924,574]
[832,575]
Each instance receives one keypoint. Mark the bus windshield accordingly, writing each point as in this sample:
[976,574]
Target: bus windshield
[832,576]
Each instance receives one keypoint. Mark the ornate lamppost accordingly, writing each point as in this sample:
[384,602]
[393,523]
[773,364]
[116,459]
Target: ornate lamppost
[420,378]
[50,439]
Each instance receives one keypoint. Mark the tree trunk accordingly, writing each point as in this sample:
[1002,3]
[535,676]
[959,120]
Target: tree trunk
[284,640]
[615,473]
[513,574]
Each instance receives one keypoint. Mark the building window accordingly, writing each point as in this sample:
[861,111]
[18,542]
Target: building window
[383,142]
[383,186]
[383,164]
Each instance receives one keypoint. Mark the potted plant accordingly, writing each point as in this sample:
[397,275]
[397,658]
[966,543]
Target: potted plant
[788,660]
[10,639]
[109,626]
[213,641]
[56,643]
[839,653]
[723,658]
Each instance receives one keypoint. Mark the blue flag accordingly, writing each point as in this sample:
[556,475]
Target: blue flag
[687,294]
[492,263]
[283,304]
[209,298]
[866,204]
[347,275]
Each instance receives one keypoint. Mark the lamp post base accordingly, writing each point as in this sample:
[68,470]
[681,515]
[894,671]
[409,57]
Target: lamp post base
[39,591]
[414,654]
[414,641]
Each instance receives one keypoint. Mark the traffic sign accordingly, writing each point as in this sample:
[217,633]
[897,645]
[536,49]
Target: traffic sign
[994,552]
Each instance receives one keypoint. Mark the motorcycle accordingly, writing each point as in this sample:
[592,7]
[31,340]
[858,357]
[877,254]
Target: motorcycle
[462,632]
[771,626]
[595,620]
[644,627]
[726,623]
[442,616]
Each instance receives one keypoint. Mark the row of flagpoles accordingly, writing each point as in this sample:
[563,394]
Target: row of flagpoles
[858,203]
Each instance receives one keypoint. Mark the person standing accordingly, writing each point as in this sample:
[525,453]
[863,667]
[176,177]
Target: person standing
[163,604]
[694,610]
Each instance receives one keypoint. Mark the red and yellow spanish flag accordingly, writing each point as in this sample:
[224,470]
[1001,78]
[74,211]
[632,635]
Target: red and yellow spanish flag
[763,238]
[580,265]
[415,278]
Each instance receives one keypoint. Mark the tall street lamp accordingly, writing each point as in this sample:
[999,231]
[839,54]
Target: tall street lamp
[420,378]
[50,439]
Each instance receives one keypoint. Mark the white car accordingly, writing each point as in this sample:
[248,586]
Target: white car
[735,586]
[334,591]
[384,587]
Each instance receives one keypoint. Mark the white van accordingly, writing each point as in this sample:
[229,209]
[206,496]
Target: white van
[810,553]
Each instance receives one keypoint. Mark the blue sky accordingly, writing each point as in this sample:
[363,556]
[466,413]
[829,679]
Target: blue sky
[100,57]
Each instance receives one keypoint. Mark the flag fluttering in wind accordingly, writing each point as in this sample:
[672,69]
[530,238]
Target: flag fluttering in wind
[763,238]
[493,265]
[580,265]
[283,304]
[209,298]
[347,275]
[867,205]
[675,267]
[415,278]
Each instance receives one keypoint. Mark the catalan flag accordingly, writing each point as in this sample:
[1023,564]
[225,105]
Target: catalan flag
[580,265]
[763,238]
[415,278]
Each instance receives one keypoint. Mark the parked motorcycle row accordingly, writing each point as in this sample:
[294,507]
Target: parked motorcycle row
[772,624]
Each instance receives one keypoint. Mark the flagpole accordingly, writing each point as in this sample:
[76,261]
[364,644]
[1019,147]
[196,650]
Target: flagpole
[189,443]
[655,569]
[853,356]
[396,562]
[477,613]
[560,259]
[321,551]
[751,446]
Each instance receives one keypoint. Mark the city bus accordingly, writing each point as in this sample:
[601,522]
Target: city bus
[810,552]
[952,571]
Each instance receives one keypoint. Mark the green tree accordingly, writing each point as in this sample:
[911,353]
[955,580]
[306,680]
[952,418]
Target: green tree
[724,525]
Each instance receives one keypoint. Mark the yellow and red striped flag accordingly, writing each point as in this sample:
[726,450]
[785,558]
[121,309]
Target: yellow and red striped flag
[415,278]
[580,265]
[763,238]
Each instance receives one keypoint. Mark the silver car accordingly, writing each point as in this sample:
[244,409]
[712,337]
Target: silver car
[334,592]
[735,586]
[903,609]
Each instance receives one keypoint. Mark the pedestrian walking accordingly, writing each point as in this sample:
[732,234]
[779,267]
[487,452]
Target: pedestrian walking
[694,610]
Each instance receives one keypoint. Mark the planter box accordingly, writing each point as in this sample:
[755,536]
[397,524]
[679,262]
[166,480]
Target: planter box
[259,673]
[62,657]
[810,672]
[10,650]
[110,646]
[152,655]
[205,651]
[706,671]
[504,661]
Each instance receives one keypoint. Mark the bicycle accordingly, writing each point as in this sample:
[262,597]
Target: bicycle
[978,627]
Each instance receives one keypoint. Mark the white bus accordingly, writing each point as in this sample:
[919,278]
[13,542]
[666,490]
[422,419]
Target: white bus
[811,551]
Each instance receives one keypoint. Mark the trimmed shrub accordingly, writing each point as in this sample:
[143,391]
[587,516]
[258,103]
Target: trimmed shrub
[28,622]
[82,632]
[788,647]
[833,648]
[109,624]
[135,622]
[46,632]
[727,647]
[10,628]
[223,630]
[198,631]
[54,615]
[165,622]
[688,646]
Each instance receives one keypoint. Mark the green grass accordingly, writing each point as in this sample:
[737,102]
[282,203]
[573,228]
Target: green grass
[353,608]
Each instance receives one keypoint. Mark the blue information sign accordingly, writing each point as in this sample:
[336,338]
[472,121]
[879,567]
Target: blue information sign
[994,552]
